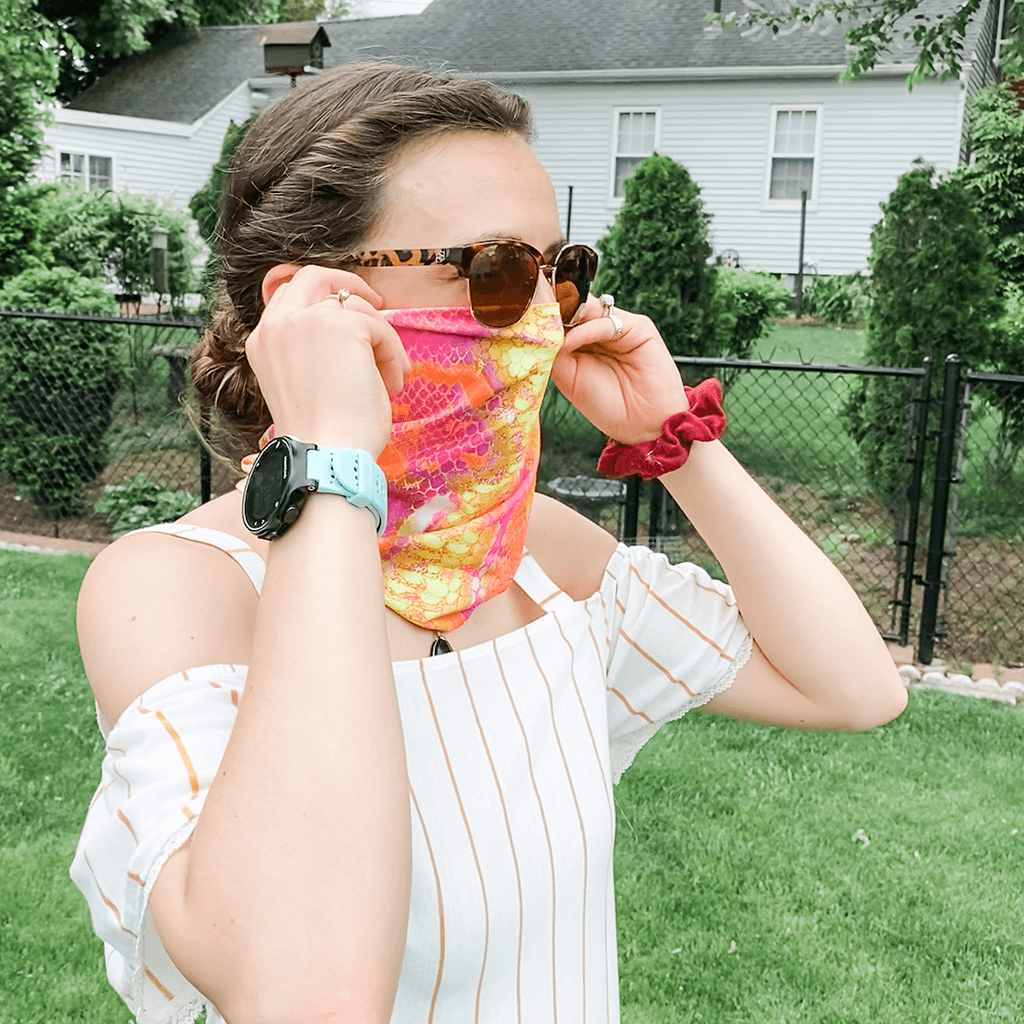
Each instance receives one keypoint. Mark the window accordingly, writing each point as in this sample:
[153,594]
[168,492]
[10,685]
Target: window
[95,172]
[636,135]
[794,153]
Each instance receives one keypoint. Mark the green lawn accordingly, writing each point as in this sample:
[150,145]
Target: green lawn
[786,343]
[868,878]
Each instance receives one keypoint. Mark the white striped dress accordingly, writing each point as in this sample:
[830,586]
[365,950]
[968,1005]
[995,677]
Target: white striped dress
[513,747]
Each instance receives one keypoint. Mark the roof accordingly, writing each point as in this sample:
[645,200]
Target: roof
[501,38]
[294,33]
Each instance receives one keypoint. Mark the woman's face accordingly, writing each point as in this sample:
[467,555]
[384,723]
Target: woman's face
[463,188]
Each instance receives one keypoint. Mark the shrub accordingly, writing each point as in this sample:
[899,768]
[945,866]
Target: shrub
[654,258]
[57,386]
[142,502]
[936,293]
[842,299]
[101,234]
[745,303]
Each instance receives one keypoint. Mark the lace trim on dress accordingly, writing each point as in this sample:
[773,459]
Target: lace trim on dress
[642,735]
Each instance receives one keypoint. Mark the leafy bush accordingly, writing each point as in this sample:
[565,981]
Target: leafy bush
[654,258]
[142,502]
[57,386]
[842,299]
[101,234]
[936,293]
[206,204]
[745,303]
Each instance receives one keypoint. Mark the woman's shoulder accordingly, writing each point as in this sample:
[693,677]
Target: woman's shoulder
[572,550]
[152,605]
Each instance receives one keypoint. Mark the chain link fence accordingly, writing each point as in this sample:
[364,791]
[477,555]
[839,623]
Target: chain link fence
[94,440]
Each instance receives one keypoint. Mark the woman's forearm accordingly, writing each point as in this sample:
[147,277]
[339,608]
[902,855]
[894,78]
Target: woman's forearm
[300,863]
[802,613]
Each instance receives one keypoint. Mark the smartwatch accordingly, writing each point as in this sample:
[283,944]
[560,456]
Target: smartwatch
[288,470]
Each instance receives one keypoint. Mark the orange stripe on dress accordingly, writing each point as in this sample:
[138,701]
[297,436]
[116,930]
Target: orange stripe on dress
[124,818]
[107,900]
[668,675]
[135,878]
[469,835]
[629,707]
[511,839]
[193,781]
[188,814]
[686,622]
[544,821]
[440,903]
[163,989]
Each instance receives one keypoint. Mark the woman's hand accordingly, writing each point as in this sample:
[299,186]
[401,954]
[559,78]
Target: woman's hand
[628,386]
[326,370]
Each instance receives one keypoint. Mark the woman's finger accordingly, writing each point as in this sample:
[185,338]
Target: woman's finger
[314,283]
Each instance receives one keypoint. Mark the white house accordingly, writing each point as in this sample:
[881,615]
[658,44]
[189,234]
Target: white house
[755,118]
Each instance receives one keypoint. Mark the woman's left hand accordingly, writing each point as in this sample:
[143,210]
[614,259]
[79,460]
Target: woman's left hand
[627,386]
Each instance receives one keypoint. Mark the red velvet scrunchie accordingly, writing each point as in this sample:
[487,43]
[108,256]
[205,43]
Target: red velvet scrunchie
[703,421]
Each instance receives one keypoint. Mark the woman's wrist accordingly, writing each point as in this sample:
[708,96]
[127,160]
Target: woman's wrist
[703,421]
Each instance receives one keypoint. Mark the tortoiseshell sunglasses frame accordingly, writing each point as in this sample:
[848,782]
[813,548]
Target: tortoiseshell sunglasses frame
[461,257]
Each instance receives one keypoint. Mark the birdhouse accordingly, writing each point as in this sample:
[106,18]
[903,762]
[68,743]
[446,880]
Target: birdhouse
[288,49]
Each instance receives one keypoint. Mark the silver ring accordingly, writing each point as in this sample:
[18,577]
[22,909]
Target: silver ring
[607,300]
[343,296]
[618,326]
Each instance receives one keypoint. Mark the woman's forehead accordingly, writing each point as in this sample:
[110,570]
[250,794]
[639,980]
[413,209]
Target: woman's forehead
[459,187]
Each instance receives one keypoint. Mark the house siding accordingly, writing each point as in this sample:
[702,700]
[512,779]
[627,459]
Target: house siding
[871,132]
[168,167]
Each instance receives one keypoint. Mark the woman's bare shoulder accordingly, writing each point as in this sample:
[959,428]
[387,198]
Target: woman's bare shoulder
[570,548]
[152,605]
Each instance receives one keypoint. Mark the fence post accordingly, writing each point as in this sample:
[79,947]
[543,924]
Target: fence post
[654,520]
[940,508]
[631,520]
[205,481]
[918,440]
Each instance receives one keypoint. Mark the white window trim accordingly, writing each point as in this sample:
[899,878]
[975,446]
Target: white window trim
[61,148]
[812,199]
[613,199]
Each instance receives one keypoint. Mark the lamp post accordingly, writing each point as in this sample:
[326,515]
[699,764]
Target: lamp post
[158,264]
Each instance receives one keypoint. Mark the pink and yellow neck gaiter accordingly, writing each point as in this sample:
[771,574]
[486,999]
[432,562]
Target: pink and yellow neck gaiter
[462,461]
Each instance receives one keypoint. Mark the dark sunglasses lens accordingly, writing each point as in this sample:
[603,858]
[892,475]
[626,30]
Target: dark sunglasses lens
[574,271]
[502,280]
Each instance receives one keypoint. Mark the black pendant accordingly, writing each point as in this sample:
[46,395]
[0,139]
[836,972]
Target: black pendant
[440,646]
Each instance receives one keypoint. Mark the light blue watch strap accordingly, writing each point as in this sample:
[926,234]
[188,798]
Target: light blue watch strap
[352,473]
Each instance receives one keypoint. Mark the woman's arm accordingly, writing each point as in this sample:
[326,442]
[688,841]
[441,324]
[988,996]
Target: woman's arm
[818,660]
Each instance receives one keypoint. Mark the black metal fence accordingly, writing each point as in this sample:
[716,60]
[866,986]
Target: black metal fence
[93,440]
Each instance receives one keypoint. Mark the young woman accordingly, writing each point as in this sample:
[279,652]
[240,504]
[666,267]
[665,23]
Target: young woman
[371,781]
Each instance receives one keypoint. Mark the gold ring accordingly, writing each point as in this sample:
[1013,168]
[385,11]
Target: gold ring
[343,296]
[618,325]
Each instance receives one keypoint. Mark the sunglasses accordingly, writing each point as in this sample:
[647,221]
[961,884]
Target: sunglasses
[502,275]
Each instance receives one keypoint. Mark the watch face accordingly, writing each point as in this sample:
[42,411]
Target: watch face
[267,487]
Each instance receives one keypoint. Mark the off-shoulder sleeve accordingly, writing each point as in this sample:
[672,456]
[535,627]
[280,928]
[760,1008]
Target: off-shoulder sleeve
[161,757]
[675,639]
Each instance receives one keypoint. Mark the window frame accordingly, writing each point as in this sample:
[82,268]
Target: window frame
[86,179]
[773,117]
[616,112]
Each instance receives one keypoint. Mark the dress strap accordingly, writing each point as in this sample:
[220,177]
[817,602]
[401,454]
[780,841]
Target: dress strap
[538,586]
[251,564]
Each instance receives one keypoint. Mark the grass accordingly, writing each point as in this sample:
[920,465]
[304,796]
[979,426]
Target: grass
[773,876]
[728,833]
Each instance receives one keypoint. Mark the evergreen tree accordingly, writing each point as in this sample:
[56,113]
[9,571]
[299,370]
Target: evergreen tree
[936,292]
[654,258]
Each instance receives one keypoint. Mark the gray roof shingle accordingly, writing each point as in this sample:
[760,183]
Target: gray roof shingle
[183,79]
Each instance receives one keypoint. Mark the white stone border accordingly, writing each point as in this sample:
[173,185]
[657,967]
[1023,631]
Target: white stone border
[955,682]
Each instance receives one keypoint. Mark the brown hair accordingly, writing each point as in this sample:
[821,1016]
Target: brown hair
[308,185]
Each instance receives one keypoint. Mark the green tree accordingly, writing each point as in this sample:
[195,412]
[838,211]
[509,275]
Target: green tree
[936,292]
[996,178]
[937,30]
[206,204]
[655,257]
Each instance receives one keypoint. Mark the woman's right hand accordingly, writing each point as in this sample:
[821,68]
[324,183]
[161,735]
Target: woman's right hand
[326,370]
